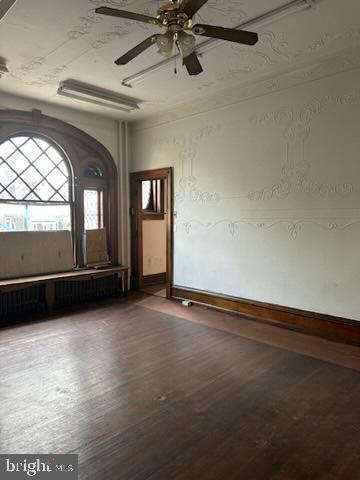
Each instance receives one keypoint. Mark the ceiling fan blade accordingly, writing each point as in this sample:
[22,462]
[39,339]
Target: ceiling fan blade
[114,12]
[192,64]
[134,52]
[190,7]
[229,34]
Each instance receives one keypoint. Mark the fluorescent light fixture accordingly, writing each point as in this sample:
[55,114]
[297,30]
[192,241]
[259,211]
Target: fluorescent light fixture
[5,6]
[97,96]
[267,18]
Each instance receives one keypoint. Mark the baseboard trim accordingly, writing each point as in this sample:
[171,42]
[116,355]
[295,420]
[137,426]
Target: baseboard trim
[155,278]
[333,328]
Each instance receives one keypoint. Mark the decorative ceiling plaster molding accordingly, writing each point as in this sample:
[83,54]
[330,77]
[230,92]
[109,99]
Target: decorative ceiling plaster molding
[275,52]
[229,9]
[49,77]
[108,37]
[328,67]
[87,23]
[327,39]
[84,27]
[112,3]
[91,39]
[269,52]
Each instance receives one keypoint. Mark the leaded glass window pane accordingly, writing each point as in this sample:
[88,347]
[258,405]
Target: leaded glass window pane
[32,170]
[92,209]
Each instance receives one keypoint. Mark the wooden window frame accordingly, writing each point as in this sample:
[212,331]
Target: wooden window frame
[101,209]
[81,150]
[158,210]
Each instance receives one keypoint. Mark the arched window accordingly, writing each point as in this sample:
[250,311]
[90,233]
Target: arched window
[54,176]
[35,185]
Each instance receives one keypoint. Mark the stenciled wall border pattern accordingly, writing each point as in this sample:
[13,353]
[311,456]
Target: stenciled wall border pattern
[293,227]
[295,127]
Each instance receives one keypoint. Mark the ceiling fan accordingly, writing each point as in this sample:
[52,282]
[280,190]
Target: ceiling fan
[178,17]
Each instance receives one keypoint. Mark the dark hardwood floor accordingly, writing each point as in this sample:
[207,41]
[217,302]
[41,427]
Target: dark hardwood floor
[141,394]
[157,289]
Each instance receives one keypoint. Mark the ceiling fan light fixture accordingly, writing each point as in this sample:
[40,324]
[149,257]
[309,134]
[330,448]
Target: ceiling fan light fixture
[165,44]
[186,44]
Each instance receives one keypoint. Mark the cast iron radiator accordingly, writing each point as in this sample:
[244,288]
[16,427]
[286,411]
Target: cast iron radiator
[31,299]
[67,293]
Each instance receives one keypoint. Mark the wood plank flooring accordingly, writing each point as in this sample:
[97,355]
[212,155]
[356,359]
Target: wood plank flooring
[141,394]
[157,289]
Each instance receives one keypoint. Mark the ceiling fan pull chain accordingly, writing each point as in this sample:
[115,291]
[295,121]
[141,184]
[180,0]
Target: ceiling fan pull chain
[175,54]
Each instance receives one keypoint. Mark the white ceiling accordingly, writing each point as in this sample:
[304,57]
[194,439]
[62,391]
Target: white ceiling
[47,41]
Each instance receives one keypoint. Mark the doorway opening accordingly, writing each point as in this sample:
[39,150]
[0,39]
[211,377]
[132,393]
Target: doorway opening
[151,211]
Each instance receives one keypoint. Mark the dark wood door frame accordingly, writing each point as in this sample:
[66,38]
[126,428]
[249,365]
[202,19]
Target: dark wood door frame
[136,178]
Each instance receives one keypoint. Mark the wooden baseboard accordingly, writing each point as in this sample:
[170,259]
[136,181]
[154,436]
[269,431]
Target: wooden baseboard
[155,278]
[334,328]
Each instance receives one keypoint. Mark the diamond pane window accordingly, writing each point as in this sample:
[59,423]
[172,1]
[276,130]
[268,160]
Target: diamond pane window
[4,195]
[6,149]
[7,175]
[56,179]
[64,192]
[18,189]
[30,150]
[32,177]
[44,164]
[62,166]
[44,191]
[18,141]
[32,170]
[17,162]
[93,209]
[54,155]
[41,143]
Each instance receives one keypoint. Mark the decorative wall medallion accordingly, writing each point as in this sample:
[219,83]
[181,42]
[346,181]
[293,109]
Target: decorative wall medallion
[295,173]
[188,150]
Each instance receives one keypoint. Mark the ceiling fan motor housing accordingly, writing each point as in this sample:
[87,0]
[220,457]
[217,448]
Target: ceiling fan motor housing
[170,17]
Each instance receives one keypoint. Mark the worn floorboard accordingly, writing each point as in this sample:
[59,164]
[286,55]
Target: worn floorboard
[143,394]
